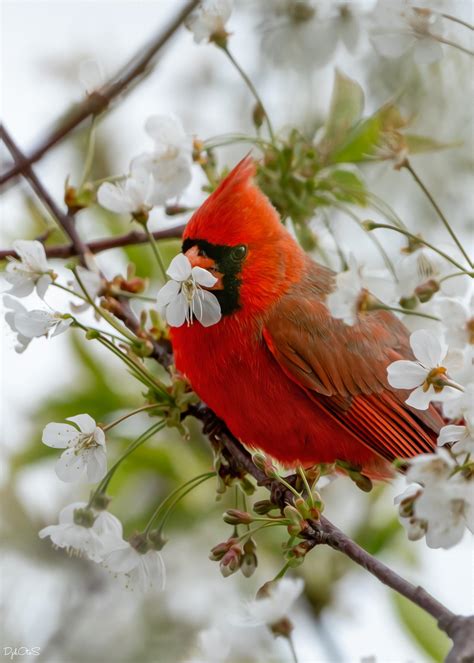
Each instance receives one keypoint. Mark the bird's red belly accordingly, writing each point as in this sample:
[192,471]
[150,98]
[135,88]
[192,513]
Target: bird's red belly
[264,408]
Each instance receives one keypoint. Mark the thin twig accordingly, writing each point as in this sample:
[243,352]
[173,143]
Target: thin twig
[98,101]
[406,164]
[104,244]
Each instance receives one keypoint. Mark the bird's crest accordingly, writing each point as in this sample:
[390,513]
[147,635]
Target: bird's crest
[236,212]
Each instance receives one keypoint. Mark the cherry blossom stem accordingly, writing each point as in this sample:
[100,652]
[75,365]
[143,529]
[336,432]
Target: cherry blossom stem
[455,19]
[302,474]
[102,487]
[375,226]
[103,313]
[448,42]
[174,498]
[87,328]
[252,89]
[291,645]
[406,164]
[156,252]
[143,408]
[406,311]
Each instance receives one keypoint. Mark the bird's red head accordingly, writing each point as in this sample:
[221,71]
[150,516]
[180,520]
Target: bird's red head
[238,236]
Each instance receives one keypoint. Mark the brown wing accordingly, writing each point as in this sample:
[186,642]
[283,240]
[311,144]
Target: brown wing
[344,367]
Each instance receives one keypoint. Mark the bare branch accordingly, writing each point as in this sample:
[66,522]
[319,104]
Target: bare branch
[98,101]
[103,244]
[66,221]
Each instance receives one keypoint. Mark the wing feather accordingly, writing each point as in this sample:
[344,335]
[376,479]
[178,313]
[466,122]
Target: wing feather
[344,368]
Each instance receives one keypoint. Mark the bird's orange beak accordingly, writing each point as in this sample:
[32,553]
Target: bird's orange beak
[197,260]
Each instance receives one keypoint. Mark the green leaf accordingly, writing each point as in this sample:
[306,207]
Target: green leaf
[422,628]
[345,185]
[418,144]
[362,142]
[347,104]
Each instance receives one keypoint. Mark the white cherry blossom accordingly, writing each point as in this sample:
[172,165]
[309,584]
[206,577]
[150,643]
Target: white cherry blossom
[85,455]
[30,272]
[458,321]
[183,298]
[352,286]
[133,196]
[427,376]
[169,163]
[277,602]
[309,30]
[91,541]
[399,28]
[32,324]
[142,571]
[440,505]
[461,438]
[209,19]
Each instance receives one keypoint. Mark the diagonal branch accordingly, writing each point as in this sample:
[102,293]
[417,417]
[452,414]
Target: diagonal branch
[103,244]
[99,100]
[66,221]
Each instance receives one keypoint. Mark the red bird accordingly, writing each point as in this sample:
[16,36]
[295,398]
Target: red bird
[284,375]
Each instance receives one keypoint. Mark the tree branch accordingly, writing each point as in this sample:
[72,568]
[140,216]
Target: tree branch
[66,221]
[132,238]
[100,99]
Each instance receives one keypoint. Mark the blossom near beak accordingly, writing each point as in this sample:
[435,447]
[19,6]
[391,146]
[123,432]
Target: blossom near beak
[198,260]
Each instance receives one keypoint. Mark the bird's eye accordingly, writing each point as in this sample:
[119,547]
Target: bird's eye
[239,252]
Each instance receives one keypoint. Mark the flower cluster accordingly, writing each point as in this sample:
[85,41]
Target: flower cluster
[98,536]
[155,177]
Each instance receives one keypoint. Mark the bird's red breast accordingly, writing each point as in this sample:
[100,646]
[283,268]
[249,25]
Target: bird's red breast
[283,374]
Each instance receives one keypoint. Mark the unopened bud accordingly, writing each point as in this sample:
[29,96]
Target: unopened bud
[262,507]
[425,291]
[237,517]
[249,559]
[219,550]
[265,465]
[231,561]
[258,115]
[92,334]
[369,225]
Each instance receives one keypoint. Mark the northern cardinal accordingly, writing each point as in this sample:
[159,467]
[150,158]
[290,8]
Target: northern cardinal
[285,376]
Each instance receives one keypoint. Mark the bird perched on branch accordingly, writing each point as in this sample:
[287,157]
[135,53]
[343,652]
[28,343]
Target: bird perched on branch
[285,376]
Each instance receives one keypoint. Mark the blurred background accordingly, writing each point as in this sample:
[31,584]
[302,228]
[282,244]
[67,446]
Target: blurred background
[71,609]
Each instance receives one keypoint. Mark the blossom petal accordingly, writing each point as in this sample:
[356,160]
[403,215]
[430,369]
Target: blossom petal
[210,309]
[179,268]
[405,374]
[96,464]
[451,433]
[42,285]
[421,399]
[59,436]
[122,560]
[85,423]
[176,311]
[427,348]
[33,324]
[167,293]
[32,254]
[203,277]
[114,198]
[70,466]
[22,286]
[62,326]
[427,50]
